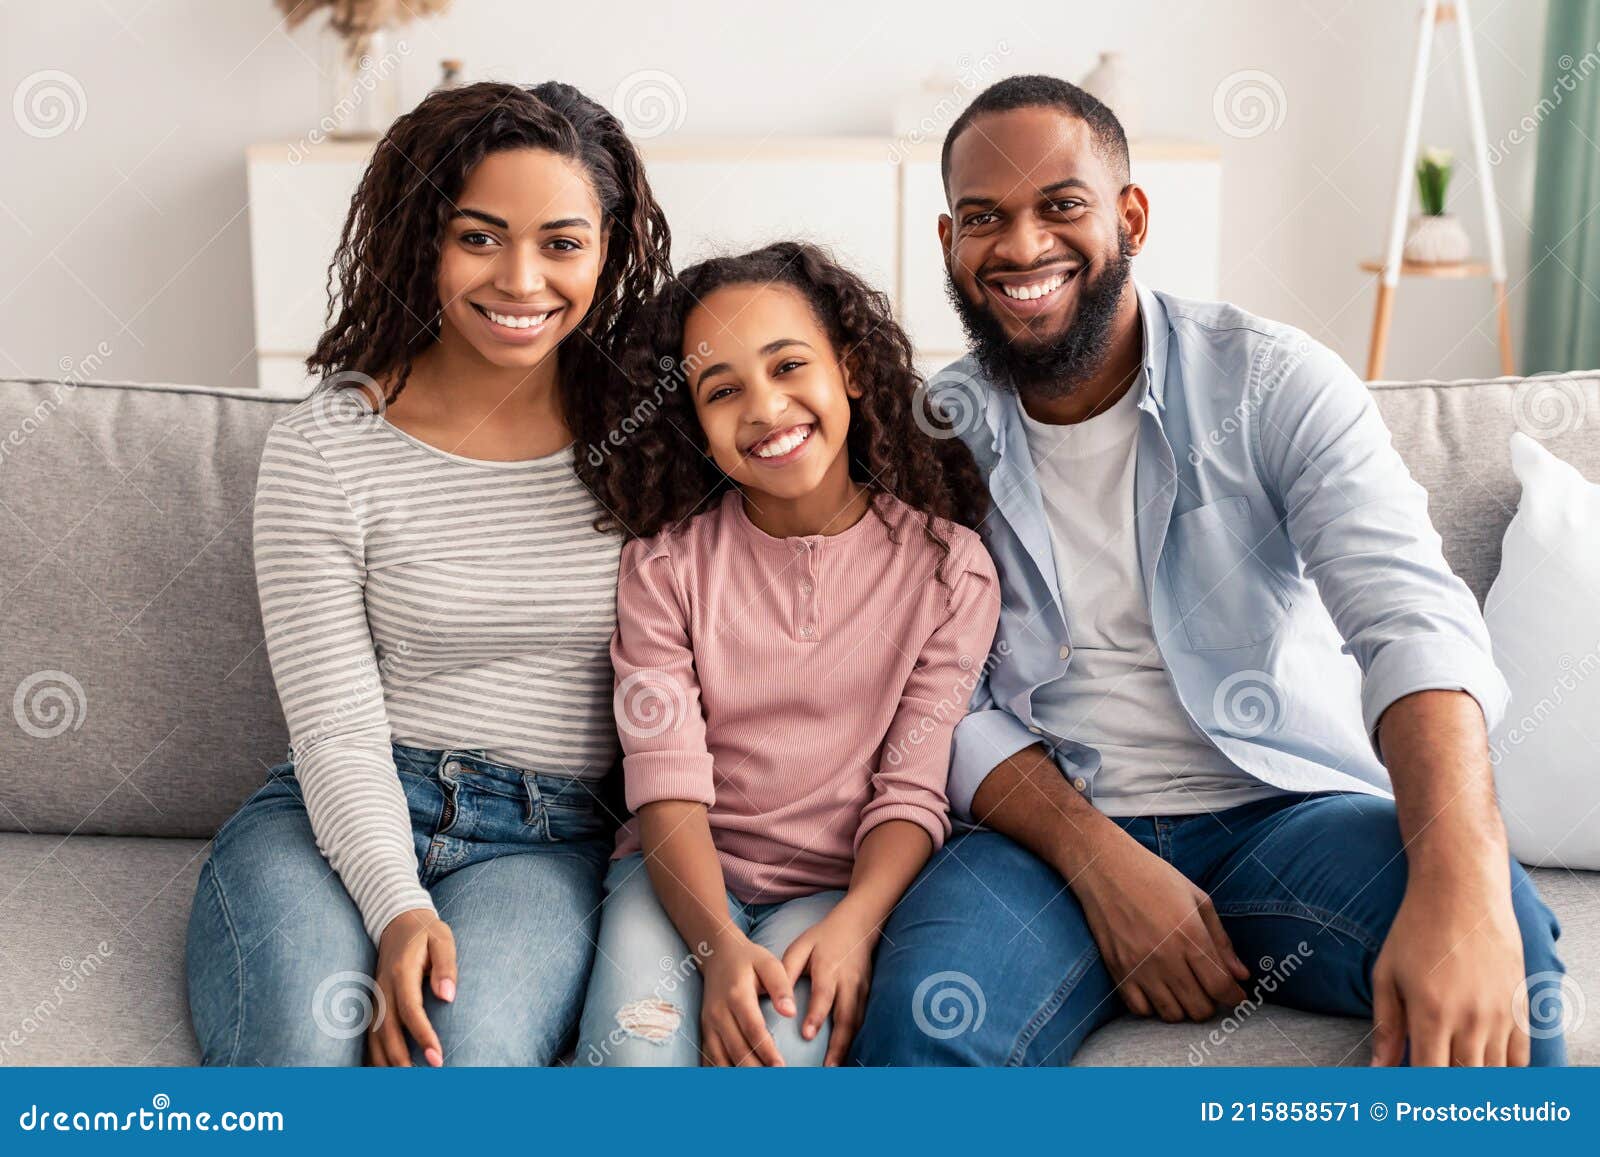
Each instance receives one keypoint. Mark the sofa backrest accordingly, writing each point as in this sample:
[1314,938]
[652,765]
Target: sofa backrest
[1455,437]
[135,696]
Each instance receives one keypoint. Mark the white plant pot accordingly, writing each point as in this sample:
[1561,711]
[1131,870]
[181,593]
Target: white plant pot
[1437,240]
[1112,83]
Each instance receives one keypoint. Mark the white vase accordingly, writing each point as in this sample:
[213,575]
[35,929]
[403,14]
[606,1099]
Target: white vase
[1112,84]
[1437,240]
[360,87]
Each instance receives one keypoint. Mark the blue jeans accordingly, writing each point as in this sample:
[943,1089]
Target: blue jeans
[988,926]
[280,966]
[643,1006]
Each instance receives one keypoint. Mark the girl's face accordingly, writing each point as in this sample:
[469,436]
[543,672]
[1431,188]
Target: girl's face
[520,256]
[769,390]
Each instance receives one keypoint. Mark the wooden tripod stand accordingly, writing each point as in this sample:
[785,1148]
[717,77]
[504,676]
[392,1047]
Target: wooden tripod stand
[1392,268]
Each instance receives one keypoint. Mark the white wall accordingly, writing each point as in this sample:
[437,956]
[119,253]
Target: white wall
[130,229]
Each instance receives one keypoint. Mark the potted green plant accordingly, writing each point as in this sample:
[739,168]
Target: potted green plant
[1435,237]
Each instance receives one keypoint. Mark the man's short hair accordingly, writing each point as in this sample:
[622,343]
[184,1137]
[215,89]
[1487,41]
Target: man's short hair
[1046,92]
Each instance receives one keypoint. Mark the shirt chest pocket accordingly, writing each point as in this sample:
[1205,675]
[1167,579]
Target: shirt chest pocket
[1227,594]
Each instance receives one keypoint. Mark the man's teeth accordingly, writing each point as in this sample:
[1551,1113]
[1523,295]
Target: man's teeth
[783,443]
[511,322]
[1037,289]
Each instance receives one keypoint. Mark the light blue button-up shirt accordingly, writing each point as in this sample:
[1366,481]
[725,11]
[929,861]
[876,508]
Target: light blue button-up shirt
[1296,585]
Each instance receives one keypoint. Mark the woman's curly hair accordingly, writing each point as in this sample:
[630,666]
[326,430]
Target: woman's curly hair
[387,261]
[654,471]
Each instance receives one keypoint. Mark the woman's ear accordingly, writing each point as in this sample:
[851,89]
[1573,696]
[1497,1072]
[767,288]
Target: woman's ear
[851,389]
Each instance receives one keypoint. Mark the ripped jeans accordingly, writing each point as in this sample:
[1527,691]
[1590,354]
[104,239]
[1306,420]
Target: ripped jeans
[643,1007]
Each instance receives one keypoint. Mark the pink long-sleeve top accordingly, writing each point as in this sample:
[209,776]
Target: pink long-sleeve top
[804,689]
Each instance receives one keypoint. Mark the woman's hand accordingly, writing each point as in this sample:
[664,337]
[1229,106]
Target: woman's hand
[413,943]
[837,952]
[736,972]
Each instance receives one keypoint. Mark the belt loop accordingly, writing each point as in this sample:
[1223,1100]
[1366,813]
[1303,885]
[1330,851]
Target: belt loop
[535,796]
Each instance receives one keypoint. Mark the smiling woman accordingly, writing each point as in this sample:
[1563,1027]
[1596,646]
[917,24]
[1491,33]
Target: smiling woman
[438,605]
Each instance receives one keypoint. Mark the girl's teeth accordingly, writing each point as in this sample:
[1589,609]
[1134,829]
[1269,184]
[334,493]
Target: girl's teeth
[782,445]
[511,322]
[1029,292]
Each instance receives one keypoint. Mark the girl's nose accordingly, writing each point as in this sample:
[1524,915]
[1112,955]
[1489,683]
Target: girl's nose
[764,405]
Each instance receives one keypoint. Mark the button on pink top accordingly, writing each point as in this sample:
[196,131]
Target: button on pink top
[803,689]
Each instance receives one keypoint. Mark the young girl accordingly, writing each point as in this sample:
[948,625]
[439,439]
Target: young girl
[790,662]
[438,609]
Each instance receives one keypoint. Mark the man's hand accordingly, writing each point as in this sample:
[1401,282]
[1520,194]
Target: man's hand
[1449,972]
[1159,935]
[1446,981]
[413,943]
[837,952]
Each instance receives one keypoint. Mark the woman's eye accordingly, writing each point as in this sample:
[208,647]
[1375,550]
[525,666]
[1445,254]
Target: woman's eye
[475,237]
[566,244]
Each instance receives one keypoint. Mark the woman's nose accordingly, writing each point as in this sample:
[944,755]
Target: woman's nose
[520,273]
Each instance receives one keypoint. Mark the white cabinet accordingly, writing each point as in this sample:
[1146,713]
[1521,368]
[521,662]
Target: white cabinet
[849,194]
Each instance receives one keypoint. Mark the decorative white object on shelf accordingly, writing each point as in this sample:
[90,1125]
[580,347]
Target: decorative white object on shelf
[360,66]
[874,201]
[1434,236]
[936,102]
[1111,82]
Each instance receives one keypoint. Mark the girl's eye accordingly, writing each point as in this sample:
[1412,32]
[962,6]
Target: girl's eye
[783,366]
[719,392]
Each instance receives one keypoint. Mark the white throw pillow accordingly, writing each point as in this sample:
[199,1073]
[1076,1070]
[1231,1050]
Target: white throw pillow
[1544,617]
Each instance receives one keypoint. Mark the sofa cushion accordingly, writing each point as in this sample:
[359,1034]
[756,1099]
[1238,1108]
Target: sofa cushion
[135,696]
[1456,437]
[91,967]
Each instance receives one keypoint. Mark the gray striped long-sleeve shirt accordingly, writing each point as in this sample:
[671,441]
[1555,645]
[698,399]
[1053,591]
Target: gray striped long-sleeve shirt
[418,597]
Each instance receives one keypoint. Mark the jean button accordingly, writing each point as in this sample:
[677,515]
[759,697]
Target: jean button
[1081,784]
[453,767]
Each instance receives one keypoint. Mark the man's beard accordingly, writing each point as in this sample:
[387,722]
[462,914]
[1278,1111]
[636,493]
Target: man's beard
[1056,366]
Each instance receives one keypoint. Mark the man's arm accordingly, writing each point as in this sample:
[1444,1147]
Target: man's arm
[1449,969]
[1161,939]
[1452,965]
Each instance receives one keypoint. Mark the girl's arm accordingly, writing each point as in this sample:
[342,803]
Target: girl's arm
[667,771]
[908,816]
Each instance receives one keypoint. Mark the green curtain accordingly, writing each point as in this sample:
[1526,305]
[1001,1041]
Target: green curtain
[1563,324]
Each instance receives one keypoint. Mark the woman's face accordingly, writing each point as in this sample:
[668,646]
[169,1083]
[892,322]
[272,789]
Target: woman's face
[520,256]
[769,390]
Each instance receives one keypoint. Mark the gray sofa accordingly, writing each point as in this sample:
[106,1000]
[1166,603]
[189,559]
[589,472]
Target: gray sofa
[142,711]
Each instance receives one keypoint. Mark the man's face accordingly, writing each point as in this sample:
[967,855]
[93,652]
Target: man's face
[1038,245]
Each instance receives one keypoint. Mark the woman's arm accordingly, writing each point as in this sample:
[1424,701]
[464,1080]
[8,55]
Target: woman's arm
[311,575]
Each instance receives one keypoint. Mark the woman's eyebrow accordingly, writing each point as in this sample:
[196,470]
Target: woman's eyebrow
[501,223]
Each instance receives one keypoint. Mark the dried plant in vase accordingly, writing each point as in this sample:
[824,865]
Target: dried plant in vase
[360,70]
[1435,237]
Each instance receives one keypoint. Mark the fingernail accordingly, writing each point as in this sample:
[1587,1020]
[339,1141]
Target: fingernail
[435,1057]
[787,1008]
[447,989]
[808,1032]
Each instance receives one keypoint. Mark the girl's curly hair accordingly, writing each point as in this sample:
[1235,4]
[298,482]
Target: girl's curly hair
[653,470]
[387,261]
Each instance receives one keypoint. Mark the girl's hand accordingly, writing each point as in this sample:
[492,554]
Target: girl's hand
[837,952]
[413,942]
[732,1030]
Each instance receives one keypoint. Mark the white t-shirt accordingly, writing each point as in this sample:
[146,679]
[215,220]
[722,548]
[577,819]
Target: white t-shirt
[1116,695]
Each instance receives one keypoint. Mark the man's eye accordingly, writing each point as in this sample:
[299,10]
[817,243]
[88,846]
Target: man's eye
[980,219]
